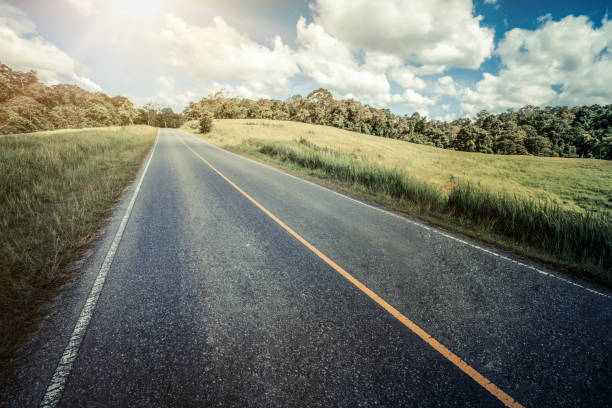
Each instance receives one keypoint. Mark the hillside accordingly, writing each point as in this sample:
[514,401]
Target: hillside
[575,184]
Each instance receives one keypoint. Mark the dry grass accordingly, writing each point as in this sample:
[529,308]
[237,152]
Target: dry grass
[56,190]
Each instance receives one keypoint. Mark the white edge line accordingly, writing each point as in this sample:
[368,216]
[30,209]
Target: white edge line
[58,381]
[437,231]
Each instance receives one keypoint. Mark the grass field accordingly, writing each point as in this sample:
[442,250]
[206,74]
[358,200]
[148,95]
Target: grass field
[554,210]
[575,184]
[56,190]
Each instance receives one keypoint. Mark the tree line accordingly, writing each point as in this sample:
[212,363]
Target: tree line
[583,131]
[27,105]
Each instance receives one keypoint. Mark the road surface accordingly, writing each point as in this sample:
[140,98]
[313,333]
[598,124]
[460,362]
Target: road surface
[229,283]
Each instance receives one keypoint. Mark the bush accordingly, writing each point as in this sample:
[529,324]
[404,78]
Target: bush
[206,122]
[192,124]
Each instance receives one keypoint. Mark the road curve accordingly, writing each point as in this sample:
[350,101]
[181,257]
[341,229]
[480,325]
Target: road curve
[209,301]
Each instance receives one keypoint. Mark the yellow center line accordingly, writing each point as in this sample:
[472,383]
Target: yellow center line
[506,399]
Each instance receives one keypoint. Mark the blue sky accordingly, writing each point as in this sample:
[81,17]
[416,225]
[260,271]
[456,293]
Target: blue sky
[443,58]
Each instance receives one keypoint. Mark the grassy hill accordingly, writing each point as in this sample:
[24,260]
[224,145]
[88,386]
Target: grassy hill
[556,210]
[576,184]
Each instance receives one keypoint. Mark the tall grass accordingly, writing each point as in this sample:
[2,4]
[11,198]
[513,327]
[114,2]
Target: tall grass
[583,239]
[56,189]
[575,184]
[349,168]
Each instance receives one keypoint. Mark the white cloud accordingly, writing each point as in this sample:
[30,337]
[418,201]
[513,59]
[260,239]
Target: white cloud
[414,99]
[447,117]
[429,69]
[15,20]
[85,83]
[219,52]
[332,65]
[222,58]
[84,6]
[406,78]
[436,32]
[445,86]
[250,90]
[490,1]
[404,75]
[168,95]
[545,18]
[380,62]
[566,62]
[23,50]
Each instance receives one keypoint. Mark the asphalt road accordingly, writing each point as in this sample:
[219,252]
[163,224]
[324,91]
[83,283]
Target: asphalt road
[210,302]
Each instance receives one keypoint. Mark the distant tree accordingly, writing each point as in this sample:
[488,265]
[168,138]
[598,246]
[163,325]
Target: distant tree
[151,109]
[510,139]
[28,105]
[437,136]
[538,145]
[206,122]
[320,103]
[606,147]
[167,118]
[468,137]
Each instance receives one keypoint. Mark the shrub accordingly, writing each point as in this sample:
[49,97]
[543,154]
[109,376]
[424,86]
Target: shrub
[192,124]
[206,122]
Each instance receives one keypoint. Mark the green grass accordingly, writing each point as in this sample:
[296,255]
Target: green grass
[56,190]
[500,199]
[574,184]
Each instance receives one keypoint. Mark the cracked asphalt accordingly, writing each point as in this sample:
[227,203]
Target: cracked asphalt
[209,302]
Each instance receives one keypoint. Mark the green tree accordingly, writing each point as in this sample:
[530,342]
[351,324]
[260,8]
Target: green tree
[206,122]
[151,109]
[467,138]
[320,103]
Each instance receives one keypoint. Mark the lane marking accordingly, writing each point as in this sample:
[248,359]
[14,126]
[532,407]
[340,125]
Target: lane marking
[58,381]
[410,221]
[506,399]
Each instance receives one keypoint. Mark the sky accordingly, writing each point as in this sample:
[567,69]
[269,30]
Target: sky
[442,58]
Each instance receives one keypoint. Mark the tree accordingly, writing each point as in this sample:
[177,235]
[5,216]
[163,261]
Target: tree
[320,103]
[167,118]
[467,138]
[437,136]
[510,139]
[606,147]
[206,122]
[538,145]
[151,109]
[28,105]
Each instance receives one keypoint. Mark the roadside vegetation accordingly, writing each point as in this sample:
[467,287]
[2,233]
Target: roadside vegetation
[56,190]
[554,210]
